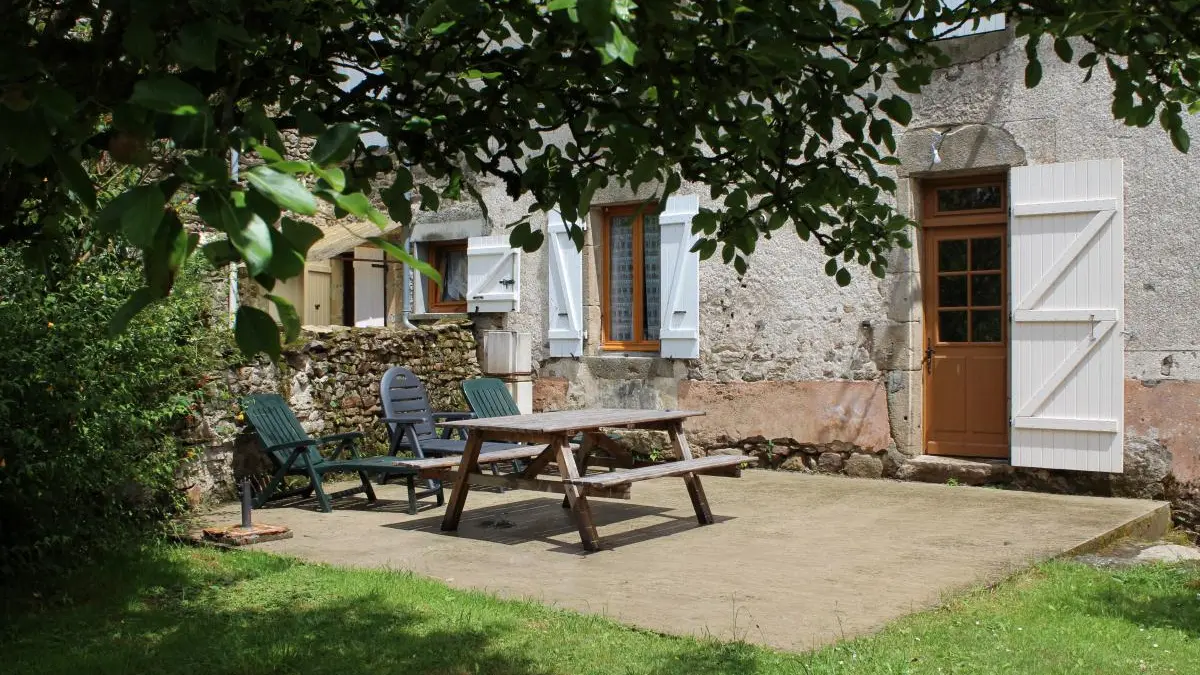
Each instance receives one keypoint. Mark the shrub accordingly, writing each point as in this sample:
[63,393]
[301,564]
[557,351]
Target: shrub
[86,445]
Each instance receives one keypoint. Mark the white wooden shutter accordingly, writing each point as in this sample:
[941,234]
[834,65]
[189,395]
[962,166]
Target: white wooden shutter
[493,275]
[566,290]
[679,327]
[1067,288]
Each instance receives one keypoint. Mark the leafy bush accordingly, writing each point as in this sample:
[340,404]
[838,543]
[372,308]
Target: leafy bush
[86,444]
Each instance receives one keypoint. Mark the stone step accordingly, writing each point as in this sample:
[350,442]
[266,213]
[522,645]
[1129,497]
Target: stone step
[934,469]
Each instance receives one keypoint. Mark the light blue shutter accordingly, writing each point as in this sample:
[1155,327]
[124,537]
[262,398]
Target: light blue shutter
[679,330]
[565,332]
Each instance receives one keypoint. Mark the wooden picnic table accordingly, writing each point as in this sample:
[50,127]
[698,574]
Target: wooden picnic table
[556,429]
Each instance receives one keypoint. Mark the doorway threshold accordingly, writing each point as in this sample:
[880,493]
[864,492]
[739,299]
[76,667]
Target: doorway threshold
[960,470]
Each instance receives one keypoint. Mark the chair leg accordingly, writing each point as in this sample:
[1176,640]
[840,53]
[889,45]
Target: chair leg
[366,482]
[441,498]
[322,498]
[272,487]
[411,482]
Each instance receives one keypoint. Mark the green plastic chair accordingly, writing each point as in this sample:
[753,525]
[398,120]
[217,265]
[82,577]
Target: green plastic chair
[293,451]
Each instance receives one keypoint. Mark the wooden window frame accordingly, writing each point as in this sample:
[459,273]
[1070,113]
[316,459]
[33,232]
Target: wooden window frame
[638,343]
[932,217]
[437,251]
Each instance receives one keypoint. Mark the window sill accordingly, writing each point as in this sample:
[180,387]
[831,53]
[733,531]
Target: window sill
[438,316]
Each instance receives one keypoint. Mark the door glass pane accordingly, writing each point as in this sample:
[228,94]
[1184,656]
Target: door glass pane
[952,255]
[968,198]
[652,276]
[952,291]
[985,253]
[985,290]
[952,326]
[620,278]
[986,326]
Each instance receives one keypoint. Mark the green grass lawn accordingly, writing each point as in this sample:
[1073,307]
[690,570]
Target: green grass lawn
[202,612]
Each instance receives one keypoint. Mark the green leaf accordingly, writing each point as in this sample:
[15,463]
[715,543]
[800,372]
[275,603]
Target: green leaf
[138,211]
[77,180]
[168,94]
[878,270]
[286,261]
[220,252]
[300,234]
[293,167]
[288,316]
[897,108]
[139,300]
[431,14]
[358,204]
[429,198]
[139,39]
[256,333]
[197,45]
[442,27]
[1033,74]
[403,256]
[831,267]
[333,176]
[282,189]
[843,277]
[269,155]
[335,144]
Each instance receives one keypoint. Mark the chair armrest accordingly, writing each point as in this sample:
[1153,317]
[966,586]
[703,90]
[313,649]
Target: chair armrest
[291,445]
[403,419]
[337,438]
[345,441]
[447,416]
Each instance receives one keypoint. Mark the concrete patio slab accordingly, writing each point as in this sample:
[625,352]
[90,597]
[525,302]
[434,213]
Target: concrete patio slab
[794,561]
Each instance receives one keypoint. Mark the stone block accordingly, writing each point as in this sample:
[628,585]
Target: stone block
[550,393]
[862,465]
[829,462]
[934,469]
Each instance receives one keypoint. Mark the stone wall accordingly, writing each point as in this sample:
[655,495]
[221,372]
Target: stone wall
[331,378]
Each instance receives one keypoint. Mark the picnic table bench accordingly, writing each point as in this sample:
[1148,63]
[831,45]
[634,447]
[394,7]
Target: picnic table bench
[551,433]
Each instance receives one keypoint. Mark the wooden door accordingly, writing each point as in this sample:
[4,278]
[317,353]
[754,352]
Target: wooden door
[317,294]
[369,273]
[966,317]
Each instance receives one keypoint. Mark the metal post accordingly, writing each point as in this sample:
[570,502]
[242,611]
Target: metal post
[246,504]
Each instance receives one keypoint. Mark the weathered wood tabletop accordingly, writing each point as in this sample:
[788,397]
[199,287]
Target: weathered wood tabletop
[555,429]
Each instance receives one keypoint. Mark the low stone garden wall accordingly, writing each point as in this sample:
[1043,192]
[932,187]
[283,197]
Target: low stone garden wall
[331,378]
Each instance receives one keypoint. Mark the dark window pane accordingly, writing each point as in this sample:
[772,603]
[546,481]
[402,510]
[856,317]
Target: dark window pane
[986,326]
[985,253]
[620,278]
[952,326]
[952,255]
[651,276]
[968,198]
[985,290]
[952,291]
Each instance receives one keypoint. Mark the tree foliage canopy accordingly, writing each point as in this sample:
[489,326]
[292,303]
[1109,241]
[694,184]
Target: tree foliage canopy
[786,110]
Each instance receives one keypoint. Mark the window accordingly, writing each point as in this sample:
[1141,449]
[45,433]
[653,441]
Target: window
[631,280]
[987,24]
[449,258]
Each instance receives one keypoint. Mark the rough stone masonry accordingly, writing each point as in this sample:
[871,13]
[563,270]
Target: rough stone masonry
[331,378]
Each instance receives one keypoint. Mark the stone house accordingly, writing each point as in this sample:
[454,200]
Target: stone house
[1045,317]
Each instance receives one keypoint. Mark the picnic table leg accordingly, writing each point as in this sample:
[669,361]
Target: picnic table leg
[581,456]
[579,502]
[458,496]
[695,488]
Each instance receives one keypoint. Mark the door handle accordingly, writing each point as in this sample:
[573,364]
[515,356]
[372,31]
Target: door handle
[928,360]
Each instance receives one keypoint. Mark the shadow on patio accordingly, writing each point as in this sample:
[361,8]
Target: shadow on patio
[543,519]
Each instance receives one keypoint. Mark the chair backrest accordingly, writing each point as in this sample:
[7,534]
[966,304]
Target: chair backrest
[402,394]
[489,398]
[275,424]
